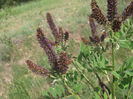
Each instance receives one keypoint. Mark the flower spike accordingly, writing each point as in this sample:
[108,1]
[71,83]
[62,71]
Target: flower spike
[93,26]
[61,33]
[52,43]
[127,12]
[45,44]
[52,25]
[66,36]
[94,37]
[37,69]
[112,9]
[97,13]
[62,63]
[116,26]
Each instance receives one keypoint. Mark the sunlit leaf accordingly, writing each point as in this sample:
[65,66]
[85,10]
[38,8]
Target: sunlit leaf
[52,92]
[116,74]
[45,93]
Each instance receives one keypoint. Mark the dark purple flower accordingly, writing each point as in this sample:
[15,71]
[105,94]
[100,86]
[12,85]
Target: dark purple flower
[45,44]
[127,12]
[97,13]
[61,33]
[62,63]
[116,26]
[37,69]
[94,37]
[112,9]
[52,43]
[52,25]
[93,26]
[66,36]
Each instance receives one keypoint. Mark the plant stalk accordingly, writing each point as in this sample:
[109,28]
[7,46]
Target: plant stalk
[113,64]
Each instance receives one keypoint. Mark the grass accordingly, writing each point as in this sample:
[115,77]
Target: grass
[18,41]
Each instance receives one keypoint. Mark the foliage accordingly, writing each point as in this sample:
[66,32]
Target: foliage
[91,58]
[4,3]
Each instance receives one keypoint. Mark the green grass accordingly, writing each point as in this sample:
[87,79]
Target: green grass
[17,29]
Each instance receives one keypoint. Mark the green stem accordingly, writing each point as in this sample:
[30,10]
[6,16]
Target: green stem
[129,88]
[113,64]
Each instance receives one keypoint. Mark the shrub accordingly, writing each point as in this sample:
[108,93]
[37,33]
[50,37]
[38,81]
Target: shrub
[8,3]
[93,59]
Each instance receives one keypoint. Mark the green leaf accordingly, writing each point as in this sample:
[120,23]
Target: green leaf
[96,95]
[129,72]
[45,93]
[105,96]
[77,88]
[78,64]
[116,75]
[125,82]
[62,89]
[52,92]
[80,57]
[108,68]
[125,44]
[58,91]
[96,89]
[128,64]
[84,49]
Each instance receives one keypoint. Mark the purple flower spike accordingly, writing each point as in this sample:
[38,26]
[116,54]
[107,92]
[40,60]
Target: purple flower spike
[45,44]
[66,36]
[52,25]
[61,33]
[112,9]
[62,63]
[116,26]
[37,69]
[97,13]
[127,12]
[93,26]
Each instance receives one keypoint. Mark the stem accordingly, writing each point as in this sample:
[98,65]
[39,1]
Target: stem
[113,64]
[129,88]
[107,93]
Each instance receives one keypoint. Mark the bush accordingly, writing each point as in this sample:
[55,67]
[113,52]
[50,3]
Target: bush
[96,74]
[4,3]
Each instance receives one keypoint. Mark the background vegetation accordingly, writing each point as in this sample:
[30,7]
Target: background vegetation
[18,41]
[5,3]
